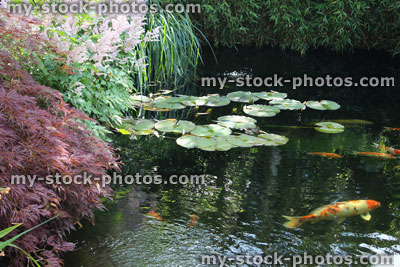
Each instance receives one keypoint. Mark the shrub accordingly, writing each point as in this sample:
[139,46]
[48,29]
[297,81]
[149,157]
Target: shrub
[41,135]
[301,25]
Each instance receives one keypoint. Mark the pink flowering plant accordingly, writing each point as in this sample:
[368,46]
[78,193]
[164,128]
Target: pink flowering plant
[95,62]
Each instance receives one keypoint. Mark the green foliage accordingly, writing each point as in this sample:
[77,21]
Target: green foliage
[9,242]
[176,55]
[299,25]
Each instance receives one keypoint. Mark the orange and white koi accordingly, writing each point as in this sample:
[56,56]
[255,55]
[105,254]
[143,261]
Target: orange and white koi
[393,129]
[376,154]
[338,211]
[156,215]
[326,155]
[391,150]
[193,219]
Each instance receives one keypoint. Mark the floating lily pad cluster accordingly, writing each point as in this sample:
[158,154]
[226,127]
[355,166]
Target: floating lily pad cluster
[212,137]
[220,136]
[164,103]
[225,143]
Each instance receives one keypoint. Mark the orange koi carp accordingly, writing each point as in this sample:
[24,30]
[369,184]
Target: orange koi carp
[376,154]
[391,150]
[193,219]
[326,155]
[156,215]
[338,211]
[393,129]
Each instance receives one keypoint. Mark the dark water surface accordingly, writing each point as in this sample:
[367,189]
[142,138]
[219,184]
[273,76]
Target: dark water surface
[249,189]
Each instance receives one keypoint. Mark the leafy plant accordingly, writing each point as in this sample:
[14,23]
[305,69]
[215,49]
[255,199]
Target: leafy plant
[9,242]
[41,135]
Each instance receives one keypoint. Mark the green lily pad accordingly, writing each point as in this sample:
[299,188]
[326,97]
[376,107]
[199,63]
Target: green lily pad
[323,105]
[270,95]
[241,96]
[329,127]
[261,110]
[204,143]
[192,101]
[187,141]
[167,103]
[212,130]
[237,122]
[287,104]
[174,126]
[216,101]
[273,139]
[137,125]
[243,140]
[141,98]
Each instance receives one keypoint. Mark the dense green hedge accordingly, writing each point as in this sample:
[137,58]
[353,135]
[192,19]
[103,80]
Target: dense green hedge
[300,25]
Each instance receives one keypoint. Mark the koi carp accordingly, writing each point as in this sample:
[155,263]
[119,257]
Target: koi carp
[376,154]
[156,215]
[391,150]
[325,155]
[392,129]
[193,219]
[338,211]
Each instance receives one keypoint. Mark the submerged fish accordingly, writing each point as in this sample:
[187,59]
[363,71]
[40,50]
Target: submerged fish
[156,215]
[325,155]
[338,211]
[393,129]
[193,219]
[391,150]
[376,154]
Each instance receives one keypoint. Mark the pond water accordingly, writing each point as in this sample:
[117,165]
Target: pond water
[249,189]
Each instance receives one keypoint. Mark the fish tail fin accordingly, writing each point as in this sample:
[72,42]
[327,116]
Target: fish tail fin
[293,222]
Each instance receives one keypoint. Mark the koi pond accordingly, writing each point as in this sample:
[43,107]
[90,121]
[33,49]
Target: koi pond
[248,188]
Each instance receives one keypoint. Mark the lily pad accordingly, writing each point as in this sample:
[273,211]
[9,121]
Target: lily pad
[136,127]
[241,96]
[174,126]
[243,140]
[167,103]
[287,104]
[329,127]
[212,130]
[216,101]
[204,143]
[187,141]
[237,122]
[140,100]
[273,139]
[261,110]
[270,95]
[192,101]
[323,105]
